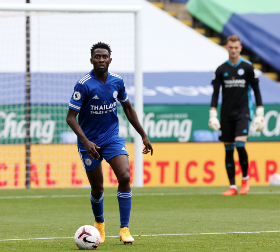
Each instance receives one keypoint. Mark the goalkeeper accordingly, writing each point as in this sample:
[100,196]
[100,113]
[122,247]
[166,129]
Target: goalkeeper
[236,77]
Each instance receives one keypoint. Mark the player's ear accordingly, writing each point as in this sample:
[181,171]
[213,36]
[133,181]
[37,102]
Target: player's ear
[110,61]
[91,60]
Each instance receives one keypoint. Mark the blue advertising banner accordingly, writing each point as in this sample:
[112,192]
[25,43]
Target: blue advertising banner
[159,88]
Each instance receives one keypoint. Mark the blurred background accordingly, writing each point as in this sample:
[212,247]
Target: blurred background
[182,45]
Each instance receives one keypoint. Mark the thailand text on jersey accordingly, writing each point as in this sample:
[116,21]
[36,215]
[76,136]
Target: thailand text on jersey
[96,103]
[236,82]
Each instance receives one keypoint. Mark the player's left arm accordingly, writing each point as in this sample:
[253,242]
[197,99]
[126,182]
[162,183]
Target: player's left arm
[258,122]
[133,119]
[254,81]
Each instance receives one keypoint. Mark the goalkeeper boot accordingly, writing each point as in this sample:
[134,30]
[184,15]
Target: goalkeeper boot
[101,228]
[245,186]
[231,191]
[125,236]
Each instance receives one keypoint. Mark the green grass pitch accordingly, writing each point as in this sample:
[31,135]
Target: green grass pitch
[162,219]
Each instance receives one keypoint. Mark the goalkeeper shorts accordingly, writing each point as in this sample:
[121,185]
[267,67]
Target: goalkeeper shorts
[108,151]
[232,129]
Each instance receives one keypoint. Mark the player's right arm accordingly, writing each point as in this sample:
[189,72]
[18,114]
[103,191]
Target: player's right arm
[75,105]
[213,122]
[91,148]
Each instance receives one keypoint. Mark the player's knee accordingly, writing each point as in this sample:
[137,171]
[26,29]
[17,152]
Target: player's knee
[124,179]
[97,191]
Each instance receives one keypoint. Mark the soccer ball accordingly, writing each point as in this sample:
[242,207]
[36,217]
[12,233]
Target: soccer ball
[274,179]
[87,237]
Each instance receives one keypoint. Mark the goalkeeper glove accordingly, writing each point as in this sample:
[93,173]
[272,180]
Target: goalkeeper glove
[214,123]
[258,121]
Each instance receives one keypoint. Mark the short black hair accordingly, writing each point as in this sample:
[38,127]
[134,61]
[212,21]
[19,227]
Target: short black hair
[102,46]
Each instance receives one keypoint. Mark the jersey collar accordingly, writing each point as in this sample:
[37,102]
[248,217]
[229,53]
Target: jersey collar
[238,63]
[107,79]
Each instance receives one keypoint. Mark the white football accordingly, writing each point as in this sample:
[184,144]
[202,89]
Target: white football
[87,237]
[274,179]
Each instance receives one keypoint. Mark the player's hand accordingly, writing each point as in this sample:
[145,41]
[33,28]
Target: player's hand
[258,121]
[91,149]
[213,123]
[148,147]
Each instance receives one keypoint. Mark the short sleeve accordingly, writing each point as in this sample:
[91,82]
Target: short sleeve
[217,77]
[122,94]
[77,97]
[253,75]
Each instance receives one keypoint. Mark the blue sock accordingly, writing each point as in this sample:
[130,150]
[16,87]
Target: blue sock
[97,207]
[124,199]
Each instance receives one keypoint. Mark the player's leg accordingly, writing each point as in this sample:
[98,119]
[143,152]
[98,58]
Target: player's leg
[242,153]
[95,178]
[227,136]
[229,161]
[240,141]
[230,168]
[120,165]
[116,155]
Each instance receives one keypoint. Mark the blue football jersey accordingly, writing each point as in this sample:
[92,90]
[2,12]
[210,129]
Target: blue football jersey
[96,103]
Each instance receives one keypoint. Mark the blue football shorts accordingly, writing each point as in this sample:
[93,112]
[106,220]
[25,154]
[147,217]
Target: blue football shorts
[108,151]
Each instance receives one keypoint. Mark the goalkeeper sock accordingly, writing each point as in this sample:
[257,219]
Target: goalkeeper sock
[97,207]
[243,157]
[124,199]
[230,164]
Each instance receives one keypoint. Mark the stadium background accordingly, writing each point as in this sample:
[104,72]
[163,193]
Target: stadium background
[178,64]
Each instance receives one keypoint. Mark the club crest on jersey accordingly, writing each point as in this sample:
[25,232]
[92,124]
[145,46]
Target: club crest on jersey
[88,162]
[240,71]
[115,94]
[77,96]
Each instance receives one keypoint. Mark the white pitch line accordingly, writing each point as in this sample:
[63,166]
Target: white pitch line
[152,235]
[134,194]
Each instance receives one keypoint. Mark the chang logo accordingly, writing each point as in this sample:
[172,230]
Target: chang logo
[240,71]
[77,96]
[88,162]
[115,94]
